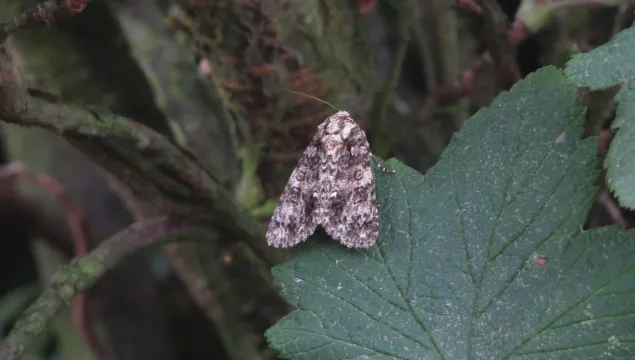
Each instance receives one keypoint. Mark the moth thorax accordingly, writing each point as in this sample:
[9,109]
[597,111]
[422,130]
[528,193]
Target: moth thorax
[332,145]
[340,124]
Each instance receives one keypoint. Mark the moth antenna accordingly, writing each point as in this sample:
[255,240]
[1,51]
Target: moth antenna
[358,98]
[314,98]
[350,104]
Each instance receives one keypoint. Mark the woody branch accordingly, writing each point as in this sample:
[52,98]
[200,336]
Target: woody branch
[83,271]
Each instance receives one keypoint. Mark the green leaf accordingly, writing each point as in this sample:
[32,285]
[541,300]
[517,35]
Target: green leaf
[609,65]
[535,14]
[456,272]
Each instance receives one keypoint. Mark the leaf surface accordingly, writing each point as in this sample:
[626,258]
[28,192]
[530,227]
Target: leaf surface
[609,65]
[483,258]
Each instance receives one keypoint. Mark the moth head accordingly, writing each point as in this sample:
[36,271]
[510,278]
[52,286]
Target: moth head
[338,127]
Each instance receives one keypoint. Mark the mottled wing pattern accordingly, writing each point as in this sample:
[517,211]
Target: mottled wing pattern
[350,209]
[294,218]
[332,186]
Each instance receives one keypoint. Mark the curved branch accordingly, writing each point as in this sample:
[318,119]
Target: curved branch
[82,272]
[157,171]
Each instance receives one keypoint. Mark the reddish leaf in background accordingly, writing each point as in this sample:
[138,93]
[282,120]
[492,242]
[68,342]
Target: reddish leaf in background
[201,3]
[76,5]
[367,6]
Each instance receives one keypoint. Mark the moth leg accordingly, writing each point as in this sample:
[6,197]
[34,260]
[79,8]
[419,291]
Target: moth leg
[380,165]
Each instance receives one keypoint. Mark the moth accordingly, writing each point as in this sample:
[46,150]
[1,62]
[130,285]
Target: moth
[331,186]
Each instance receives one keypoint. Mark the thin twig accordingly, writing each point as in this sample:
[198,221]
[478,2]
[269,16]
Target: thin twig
[624,13]
[499,43]
[606,136]
[465,83]
[452,91]
[517,32]
[471,6]
[76,220]
[612,208]
[383,99]
[158,171]
[75,215]
[82,272]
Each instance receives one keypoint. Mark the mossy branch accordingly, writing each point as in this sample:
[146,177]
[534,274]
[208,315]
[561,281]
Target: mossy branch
[155,169]
[82,272]
[160,173]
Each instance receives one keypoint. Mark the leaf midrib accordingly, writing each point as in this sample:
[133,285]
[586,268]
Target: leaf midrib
[392,276]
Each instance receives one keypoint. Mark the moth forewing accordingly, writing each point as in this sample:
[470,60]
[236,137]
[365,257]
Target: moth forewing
[332,186]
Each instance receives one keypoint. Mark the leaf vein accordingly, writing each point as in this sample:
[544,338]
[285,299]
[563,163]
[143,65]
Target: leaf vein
[401,294]
[348,342]
[566,312]
[463,233]
[367,314]
[363,283]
